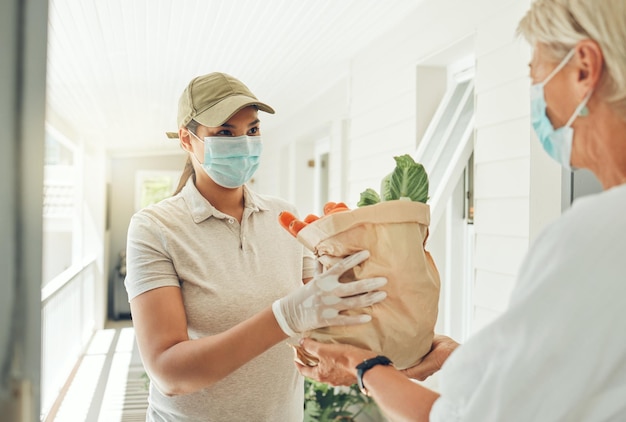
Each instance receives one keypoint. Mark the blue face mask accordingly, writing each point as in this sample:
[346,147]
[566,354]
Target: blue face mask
[556,142]
[231,162]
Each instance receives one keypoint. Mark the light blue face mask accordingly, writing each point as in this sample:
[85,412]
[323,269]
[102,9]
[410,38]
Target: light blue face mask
[556,142]
[230,162]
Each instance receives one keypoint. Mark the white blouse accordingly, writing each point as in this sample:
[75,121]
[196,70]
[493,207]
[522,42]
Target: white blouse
[559,352]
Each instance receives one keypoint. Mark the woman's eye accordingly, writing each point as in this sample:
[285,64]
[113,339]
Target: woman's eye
[224,132]
[253,131]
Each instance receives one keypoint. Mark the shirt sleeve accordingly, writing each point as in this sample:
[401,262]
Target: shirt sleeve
[148,265]
[445,410]
[558,352]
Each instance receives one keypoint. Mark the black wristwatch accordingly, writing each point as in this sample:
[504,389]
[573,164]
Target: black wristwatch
[366,365]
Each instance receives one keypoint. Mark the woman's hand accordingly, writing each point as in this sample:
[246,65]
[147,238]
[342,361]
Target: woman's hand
[398,397]
[336,362]
[441,348]
[320,302]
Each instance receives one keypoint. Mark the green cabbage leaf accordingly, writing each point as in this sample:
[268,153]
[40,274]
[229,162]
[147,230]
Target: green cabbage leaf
[369,197]
[408,181]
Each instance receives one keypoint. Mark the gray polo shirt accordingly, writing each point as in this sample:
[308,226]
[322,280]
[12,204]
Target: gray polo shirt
[227,272]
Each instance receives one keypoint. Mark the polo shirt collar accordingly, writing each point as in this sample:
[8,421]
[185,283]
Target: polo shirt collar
[254,200]
[201,209]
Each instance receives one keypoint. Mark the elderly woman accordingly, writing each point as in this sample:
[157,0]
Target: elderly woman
[559,352]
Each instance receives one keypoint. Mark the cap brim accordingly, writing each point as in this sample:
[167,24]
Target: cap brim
[221,112]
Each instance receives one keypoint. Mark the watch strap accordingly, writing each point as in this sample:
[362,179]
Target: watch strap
[366,365]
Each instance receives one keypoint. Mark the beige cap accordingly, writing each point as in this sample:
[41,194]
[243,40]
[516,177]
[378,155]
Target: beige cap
[213,99]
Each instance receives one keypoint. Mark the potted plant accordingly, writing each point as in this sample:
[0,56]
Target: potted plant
[324,403]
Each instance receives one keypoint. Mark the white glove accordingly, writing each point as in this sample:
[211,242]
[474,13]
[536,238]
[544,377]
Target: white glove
[319,302]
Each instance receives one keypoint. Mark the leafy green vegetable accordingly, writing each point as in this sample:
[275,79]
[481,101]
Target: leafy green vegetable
[369,197]
[409,180]
[385,187]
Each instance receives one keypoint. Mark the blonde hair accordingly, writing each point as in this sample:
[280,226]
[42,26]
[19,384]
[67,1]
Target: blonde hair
[560,24]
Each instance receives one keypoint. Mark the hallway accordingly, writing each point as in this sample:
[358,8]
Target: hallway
[109,383]
[89,89]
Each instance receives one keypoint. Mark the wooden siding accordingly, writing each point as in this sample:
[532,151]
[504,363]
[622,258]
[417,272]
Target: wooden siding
[502,170]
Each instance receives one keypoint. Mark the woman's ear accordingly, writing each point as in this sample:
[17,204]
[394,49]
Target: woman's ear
[590,62]
[185,139]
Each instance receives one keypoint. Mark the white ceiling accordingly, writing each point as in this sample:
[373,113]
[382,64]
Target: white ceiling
[117,67]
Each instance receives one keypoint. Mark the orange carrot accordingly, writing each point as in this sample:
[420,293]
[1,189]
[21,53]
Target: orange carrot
[310,218]
[328,207]
[285,218]
[339,206]
[295,226]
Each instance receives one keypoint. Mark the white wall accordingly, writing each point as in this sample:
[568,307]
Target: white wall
[309,121]
[517,188]
[122,171]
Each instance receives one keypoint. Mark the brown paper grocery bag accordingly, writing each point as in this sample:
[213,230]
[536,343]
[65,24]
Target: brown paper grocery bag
[394,232]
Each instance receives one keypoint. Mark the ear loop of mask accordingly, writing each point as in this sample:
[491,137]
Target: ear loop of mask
[582,109]
[193,153]
[561,65]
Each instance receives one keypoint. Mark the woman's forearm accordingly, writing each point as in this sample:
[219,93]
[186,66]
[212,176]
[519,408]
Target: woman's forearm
[398,397]
[190,365]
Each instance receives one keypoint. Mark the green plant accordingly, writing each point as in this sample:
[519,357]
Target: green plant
[408,181]
[324,403]
[146,381]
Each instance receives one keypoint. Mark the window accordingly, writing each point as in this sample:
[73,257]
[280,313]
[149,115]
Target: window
[446,151]
[153,186]
[61,210]
[468,212]
[446,146]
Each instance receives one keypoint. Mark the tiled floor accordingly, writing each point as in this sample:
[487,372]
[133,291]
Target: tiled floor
[109,385]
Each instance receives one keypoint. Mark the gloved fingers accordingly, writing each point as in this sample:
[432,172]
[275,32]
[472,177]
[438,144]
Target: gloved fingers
[347,263]
[360,301]
[359,286]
